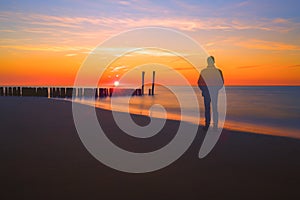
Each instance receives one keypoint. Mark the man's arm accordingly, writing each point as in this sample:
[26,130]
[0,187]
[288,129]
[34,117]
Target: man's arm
[221,75]
[201,82]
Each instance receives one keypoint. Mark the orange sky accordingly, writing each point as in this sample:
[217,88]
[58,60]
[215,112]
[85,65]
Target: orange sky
[38,47]
[55,68]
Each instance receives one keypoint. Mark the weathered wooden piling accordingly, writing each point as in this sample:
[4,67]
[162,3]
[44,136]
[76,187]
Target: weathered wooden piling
[143,82]
[39,92]
[42,92]
[19,93]
[153,82]
[96,93]
[138,92]
[51,92]
[79,92]
[56,92]
[111,90]
[61,92]
[102,92]
[89,92]
[69,92]
[26,91]
[1,91]
[14,91]
[10,91]
[125,92]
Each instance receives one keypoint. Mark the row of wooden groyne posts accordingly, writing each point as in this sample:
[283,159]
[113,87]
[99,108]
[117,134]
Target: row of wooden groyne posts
[69,92]
[62,92]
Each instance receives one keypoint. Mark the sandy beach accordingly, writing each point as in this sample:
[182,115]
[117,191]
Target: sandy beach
[42,157]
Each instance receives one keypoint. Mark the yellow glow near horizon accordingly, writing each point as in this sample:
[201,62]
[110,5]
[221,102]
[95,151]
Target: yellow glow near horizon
[116,83]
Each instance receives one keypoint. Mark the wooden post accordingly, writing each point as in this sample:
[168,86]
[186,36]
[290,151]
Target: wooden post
[111,90]
[14,91]
[48,92]
[153,81]
[19,91]
[69,92]
[143,82]
[78,92]
[10,91]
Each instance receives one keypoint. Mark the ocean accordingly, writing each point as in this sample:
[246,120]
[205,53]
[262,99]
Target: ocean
[273,110]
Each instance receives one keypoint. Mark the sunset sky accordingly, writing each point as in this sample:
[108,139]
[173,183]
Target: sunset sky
[254,42]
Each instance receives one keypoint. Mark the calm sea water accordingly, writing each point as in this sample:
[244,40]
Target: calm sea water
[267,110]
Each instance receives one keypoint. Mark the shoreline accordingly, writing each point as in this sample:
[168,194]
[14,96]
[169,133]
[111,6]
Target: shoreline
[228,125]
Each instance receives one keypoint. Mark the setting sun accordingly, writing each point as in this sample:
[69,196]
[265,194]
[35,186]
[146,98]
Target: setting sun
[116,83]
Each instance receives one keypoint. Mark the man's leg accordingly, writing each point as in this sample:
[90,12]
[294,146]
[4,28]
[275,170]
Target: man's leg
[207,110]
[214,102]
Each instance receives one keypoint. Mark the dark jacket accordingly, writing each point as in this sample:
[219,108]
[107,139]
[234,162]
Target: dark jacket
[211,79]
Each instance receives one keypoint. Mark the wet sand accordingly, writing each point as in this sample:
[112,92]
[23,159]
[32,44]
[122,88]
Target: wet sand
[42,157]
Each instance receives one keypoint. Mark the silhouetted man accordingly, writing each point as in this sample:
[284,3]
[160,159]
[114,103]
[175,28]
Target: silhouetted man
[210,82]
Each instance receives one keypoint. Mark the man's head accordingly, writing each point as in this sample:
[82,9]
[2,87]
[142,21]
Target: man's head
[210,61]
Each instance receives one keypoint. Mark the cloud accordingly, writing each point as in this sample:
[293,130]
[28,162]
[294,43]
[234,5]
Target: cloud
[155,52]
[116,69]
[181,23]
[281,21]
[267,45]
[268,66]
[248,66]
[71,54]
[294,66]
[7,31]
[37,31]
[183,68]
[242,4]
[126,3]
[45,48]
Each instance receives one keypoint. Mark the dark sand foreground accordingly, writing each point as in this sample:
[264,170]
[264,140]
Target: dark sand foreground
[42,157]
